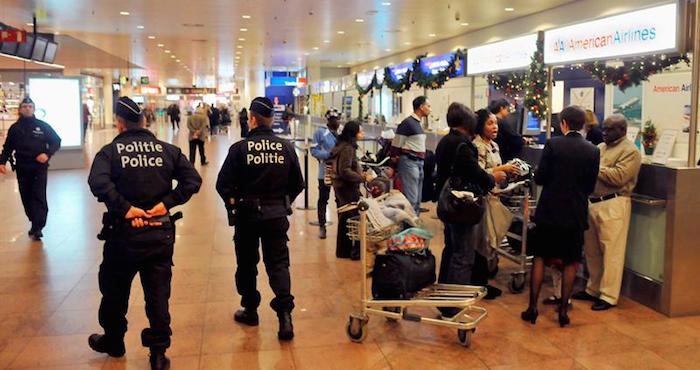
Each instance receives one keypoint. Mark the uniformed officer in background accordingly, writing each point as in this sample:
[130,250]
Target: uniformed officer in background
[33,142]
[133,176]
[258,182]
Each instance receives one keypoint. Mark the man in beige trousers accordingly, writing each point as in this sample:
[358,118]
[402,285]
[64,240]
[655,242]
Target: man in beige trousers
[609,215]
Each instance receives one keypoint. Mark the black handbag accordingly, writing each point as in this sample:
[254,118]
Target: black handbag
[453,210]
[400,275]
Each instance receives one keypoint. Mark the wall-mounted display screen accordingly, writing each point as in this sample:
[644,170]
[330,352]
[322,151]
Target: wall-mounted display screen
[25,49]
[61,111]
[50,55]
[39,49]
[8,48]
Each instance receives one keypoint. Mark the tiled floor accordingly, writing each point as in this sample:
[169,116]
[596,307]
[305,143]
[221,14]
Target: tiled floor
[49,299]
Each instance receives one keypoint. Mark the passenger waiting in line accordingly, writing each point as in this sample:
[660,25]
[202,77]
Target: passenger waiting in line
[408,152]
[609,215]
[457,161]
[567,173]
[347,178]
[198,125]
[324,140]
[593,131]
[243,121]
[489,160]
[509,141]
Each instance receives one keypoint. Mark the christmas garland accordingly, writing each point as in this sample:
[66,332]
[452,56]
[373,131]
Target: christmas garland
[435,81]
[633,72]
[511,84]
[536,84]
[397,86]
[372,85]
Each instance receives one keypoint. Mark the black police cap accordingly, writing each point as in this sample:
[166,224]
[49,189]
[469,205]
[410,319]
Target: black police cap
[262,106]
[128,109]
[27,100]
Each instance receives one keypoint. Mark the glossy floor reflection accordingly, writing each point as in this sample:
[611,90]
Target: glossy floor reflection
[49,299]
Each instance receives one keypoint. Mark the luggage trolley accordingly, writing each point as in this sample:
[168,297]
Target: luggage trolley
[462,297]
[520,205]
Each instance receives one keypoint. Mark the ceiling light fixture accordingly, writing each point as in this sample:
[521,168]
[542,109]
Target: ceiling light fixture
[30,24]
[407,43]
[160,45]
[239,47]
[245,16]
[244,30]
[151,37]
[177,60]
[387,49]
[509,9]
[431,35]
[386,3]
[124,13]
[326,41]
[172,57]
[315,47]
[464,24]
[341,32]
[140,27]
[241,39]
[359,20]
[307,54]
[167,52]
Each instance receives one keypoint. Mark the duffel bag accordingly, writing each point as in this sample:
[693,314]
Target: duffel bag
[399,275]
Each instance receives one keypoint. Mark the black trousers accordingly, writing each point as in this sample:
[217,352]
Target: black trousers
[194,144]
[175,121]
[153,262]
[324,193]
[272,234]
[344,247]
[32,190]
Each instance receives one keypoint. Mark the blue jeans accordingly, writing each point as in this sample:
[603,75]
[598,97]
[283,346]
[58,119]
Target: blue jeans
[411,176]
[458,256]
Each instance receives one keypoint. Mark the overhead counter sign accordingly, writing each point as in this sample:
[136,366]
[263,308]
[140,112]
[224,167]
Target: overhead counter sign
[501,56]
[641,32]
[436,64]
[400,70]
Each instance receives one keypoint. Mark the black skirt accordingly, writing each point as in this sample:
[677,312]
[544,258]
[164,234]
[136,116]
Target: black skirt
[557,245]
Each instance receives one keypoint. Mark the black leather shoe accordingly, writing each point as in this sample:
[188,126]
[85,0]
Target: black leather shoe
[158,360]
[601,305]
[564,320]
[584,296]
[530,315]
[102,344]
[286,331]
[322,233]
[492,292]
[248,317]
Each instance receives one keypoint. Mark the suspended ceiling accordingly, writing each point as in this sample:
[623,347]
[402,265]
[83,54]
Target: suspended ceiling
[207,36]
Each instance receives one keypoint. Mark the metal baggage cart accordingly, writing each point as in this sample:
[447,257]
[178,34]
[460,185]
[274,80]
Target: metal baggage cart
[462,297]
[518,200]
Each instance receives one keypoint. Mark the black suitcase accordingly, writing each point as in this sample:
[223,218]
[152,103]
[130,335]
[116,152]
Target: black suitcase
[399,275]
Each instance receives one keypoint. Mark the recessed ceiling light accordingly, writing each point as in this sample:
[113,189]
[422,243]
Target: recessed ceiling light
[160,45]
[338,66]
[431,35]
[124,13]
[241,39]
[306,54]
[341,32]
[359,20]
[172,57]
[464,24]
[315,47]
[30,24]
[326,41]
[509,9]
[167,52]
[244,30]
[151,37]
[245,16]
[386,3]
[239,47]
[387,49]
[56,33]
[407,43]
[348,63]
[140,27]
[177,60]
[239,52]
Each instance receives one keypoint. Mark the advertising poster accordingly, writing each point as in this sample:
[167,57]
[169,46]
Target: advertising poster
[668,101]
[629,104]
[62,111]
[584,97]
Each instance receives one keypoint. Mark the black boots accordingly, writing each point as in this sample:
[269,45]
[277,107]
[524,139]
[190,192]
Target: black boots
[248,317]
[103,344]
[35,233]
[158,359]
[322,233]
[286,331]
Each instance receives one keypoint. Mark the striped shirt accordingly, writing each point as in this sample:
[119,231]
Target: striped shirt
[410,139]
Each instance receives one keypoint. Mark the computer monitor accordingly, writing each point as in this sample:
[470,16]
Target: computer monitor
[25,49]
[39,49]
[9,48]
[531,125]
[50,55]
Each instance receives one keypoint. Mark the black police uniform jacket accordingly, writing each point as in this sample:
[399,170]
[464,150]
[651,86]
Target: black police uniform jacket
[27,138]
[263,167]
[136,169]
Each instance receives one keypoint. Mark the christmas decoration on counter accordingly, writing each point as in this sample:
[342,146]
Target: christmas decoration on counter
[400,85]
[435,81]
[536,84]
[633,72]
[649,137]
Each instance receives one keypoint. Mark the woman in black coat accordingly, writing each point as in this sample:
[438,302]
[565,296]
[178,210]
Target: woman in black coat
[457,159]
[243,120]
[347,179]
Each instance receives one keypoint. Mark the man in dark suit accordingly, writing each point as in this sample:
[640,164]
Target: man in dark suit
[567,173]
[509,141]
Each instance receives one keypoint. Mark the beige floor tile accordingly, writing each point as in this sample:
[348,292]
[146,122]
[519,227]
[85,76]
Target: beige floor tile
[176,363]
[263,360]
[55,351]
[514,348]
[409,355]
[638,360]
[339,357]
[685,357]
[566,364]
[589,340]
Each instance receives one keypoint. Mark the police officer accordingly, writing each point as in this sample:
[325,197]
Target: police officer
[33,142]
[258,181]
[133,176]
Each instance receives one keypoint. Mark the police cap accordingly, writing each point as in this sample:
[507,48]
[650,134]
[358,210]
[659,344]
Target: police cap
[128,109]
[262,106]
[27,100]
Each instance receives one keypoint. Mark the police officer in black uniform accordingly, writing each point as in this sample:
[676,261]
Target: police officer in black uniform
[33,142]
[133,176]
[258,181]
